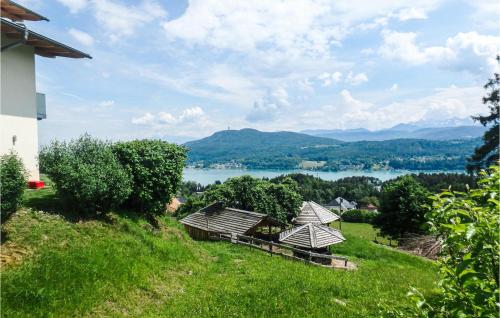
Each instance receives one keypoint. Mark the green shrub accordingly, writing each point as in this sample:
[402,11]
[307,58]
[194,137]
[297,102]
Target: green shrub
[13,179]
[358,216]
[86,174]
[156,170]
[468,223]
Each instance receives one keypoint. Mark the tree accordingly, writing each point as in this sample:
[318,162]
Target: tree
[13,179]
[487,154]
[279,200]
[402,208]
[155,167]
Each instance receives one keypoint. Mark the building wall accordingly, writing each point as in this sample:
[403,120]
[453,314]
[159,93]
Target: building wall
[18,118]
[195,233]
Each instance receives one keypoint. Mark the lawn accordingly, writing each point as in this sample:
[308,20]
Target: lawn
[122,266]
[363,230]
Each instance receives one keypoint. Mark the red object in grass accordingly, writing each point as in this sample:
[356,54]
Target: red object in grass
[36,184]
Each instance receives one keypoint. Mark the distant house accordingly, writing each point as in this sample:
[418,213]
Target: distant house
[175,204]
[369,207]
[340,203]
[216,218]
[21,105]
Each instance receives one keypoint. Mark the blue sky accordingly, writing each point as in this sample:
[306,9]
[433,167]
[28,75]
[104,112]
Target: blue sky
[185,69]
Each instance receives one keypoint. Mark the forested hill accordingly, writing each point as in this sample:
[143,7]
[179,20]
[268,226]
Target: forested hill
[288,150]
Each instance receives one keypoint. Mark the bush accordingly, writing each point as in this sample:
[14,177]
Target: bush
[13,180]
[86,174]
[156,170]
[358,216]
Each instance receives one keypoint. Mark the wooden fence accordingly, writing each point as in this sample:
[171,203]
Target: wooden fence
[279,249]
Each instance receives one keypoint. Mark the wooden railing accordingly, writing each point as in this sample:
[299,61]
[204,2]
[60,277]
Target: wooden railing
[309,257]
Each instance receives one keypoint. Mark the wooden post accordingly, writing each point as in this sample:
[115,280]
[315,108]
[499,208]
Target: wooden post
[270,248]
[340,213]
[310,257]
[345,263]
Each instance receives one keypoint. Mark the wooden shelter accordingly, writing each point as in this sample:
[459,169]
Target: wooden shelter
[216,218]
[311,236]
[312,212]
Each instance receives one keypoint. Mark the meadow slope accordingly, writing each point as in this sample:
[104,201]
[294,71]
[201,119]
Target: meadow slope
[122,266]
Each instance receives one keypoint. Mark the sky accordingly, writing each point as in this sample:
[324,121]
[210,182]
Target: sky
[181,70]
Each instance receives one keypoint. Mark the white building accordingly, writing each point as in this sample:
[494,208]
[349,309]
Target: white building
[21,106]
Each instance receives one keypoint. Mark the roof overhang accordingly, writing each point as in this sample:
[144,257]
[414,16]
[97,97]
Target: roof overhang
[43,45]
[17,12]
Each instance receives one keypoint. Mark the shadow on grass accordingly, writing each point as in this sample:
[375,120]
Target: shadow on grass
[48,201]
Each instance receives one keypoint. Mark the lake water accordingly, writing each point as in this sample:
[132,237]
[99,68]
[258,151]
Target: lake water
[208,176]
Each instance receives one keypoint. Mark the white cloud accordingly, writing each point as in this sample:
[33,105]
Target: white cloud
[394,87]
[350,112]
[465,51]
[356,79]
[123,20]
[82,37]
[147,118]
[401,46]
[411,14]
[268,108]
[330,78]
[277,30]
[485,13]
[250,26]
[189,116]
[74,5]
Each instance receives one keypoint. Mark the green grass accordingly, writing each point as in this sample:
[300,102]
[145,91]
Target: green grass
[124,267]
[365,231]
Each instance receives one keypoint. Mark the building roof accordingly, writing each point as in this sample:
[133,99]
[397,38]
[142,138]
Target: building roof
[216,218]
[17,12]
[312,212]
[43,45]
[346,204]
[311,236]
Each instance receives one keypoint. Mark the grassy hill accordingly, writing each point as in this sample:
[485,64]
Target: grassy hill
[121,266]
[288,150]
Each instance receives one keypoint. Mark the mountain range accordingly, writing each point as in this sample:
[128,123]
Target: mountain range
[251,148]
[401,131]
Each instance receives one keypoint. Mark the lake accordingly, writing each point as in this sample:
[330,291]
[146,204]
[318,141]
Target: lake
[208,176]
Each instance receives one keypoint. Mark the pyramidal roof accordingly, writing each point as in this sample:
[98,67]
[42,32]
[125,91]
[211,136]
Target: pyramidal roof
[312,212]
[311,236]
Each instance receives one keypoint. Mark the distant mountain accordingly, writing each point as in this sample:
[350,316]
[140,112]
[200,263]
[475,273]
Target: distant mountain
[288,150]
[401,131]
[244,143]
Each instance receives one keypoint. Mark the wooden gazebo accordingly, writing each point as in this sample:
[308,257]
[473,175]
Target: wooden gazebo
[311,236]
[216,218]
[312,212]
